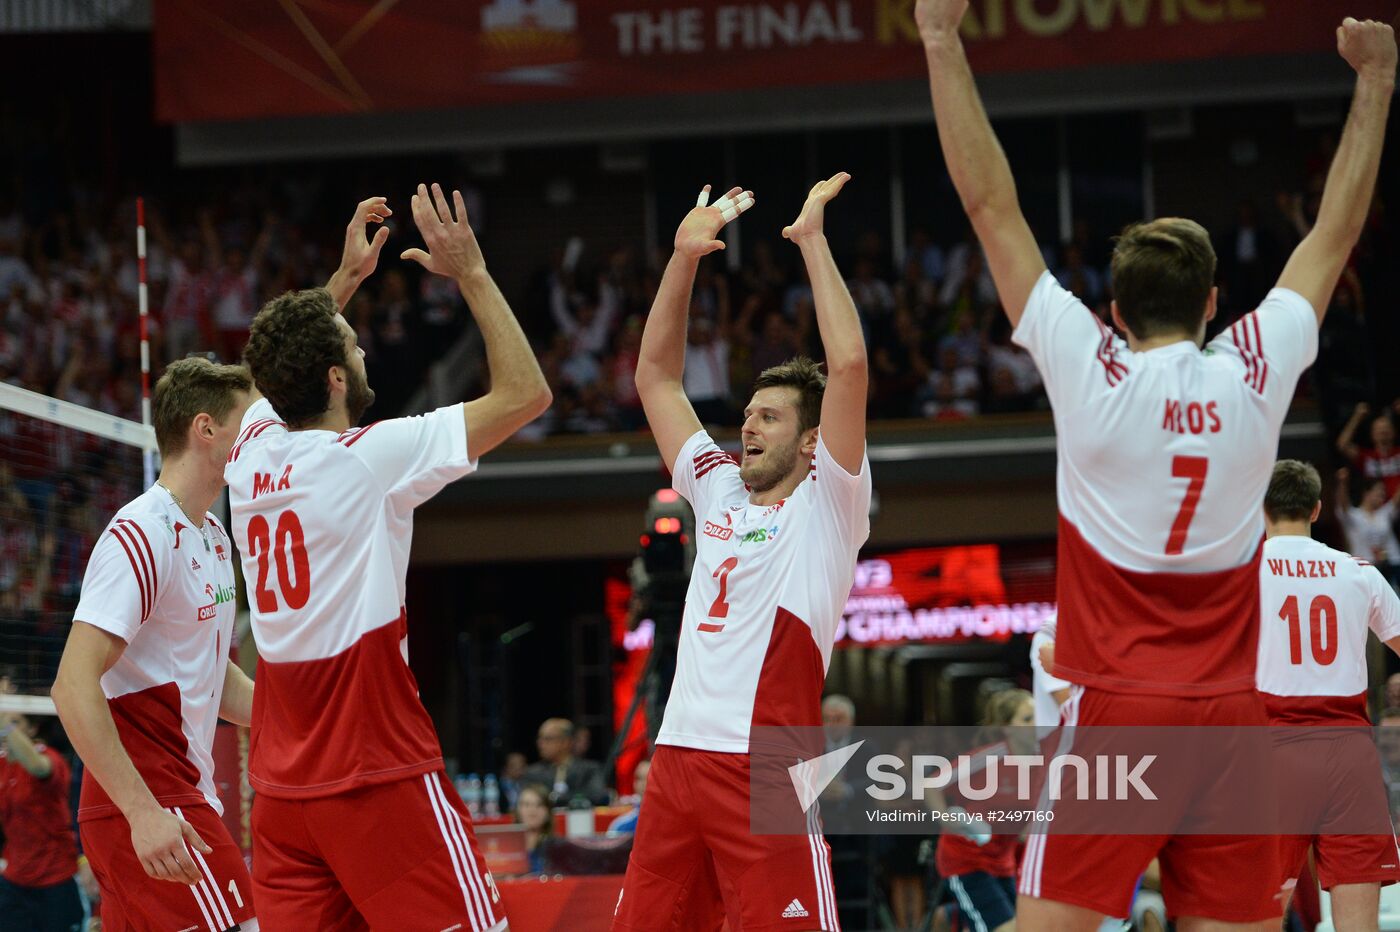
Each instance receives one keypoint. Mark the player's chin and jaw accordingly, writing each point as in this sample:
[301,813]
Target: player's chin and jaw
[358,395]
[778,459]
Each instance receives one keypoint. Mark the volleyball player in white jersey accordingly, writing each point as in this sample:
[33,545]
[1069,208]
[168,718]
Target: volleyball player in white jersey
[1164,455]
[1317,604]
[776,541]
[355,825]
[146,675]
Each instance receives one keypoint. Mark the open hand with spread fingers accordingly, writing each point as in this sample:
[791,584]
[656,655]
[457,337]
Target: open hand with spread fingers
[697,233]
[452,250]
[809,223]
[1368,46]
[361,253]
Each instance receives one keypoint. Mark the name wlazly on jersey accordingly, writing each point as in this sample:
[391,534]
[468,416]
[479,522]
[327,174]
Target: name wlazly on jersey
[1303,569]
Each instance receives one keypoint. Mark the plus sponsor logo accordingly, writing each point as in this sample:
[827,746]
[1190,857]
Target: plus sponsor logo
[760,535]
[219,595]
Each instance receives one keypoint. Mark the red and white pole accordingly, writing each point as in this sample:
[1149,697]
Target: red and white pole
[143,303]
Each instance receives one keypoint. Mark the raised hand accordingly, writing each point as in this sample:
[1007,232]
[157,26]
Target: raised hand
[453,250]
[809,222]
[1368,46]
[361,253]
[939,18]
[697,233]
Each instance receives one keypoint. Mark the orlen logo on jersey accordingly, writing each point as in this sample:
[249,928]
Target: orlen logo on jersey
[220,595]
[720,533]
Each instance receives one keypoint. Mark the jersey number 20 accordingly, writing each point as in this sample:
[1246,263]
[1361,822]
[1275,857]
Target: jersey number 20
[287,547]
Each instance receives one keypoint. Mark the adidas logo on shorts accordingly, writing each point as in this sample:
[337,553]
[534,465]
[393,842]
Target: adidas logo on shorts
[794,911]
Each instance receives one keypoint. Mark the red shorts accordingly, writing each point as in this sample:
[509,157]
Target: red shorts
[134,900]
[1231,878]
[1339,761]
[694,859]
[398,855]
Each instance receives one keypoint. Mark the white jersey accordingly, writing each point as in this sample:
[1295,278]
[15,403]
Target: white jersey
[324,523]
[1163,459]
[1316,606]
[166,588]
[1047,709]
[767,591]
[1371,535]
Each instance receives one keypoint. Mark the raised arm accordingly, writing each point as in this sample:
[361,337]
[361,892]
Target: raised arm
[847,371]
[661,359]
[159,837]
[361,253]
[975,159]
[518,392]
[1346,442]
[1313,269]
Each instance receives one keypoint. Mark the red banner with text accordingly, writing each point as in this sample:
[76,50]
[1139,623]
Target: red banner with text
[234,59]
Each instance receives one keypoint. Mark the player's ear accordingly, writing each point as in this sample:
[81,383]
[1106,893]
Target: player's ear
[1316,513]
[203,426]
[1212,303]
[809,441]
[1117,317]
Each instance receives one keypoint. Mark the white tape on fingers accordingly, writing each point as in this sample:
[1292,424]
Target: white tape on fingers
[704,198]
[724,203]
[745,203]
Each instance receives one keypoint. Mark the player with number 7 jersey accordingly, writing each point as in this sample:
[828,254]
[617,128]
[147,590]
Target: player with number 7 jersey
[355,824]
[1165,442]
[777,533]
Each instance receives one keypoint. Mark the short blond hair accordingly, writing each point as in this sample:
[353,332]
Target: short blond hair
[188,388]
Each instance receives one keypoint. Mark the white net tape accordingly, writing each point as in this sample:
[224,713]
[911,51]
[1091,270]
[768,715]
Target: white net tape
[64,470]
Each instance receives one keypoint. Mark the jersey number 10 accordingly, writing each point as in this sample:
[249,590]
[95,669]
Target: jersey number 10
[286,546]
[1322,626]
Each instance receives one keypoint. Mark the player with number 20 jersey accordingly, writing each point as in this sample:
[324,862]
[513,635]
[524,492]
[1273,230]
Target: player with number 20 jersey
[355,824]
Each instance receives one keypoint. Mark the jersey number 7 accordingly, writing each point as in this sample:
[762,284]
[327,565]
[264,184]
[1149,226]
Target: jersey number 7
[1194,469]
[288,545]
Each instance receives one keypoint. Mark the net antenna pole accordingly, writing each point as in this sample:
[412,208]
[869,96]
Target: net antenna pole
[143,302]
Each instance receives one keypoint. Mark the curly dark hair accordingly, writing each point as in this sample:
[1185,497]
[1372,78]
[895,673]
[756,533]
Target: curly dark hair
[293,342]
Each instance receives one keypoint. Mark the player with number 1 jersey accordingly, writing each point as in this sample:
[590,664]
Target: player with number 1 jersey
[1165,445]
[777,535]
[355,824]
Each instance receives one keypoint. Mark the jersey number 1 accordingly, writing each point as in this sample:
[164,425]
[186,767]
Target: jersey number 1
[720,608]
[288,545]
[1322,628]
[1194,469]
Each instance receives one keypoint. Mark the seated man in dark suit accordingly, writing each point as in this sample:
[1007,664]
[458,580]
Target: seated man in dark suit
[563,774]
